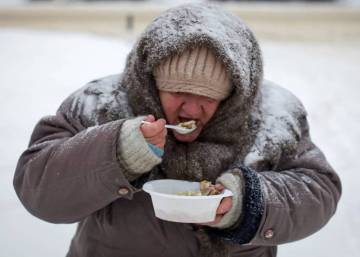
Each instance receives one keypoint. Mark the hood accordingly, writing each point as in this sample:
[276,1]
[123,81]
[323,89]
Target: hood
[234,123]
[189,26]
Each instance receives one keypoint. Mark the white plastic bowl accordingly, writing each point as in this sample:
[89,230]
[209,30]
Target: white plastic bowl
[186,209]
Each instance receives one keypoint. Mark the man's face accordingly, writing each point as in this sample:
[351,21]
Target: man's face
[181,107]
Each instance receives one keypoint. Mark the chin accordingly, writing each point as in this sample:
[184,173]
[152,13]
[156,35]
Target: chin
[188,137]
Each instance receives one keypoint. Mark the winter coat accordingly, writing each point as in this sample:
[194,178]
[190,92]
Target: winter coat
[72,170]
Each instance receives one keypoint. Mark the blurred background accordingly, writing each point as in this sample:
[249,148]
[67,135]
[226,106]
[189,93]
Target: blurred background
[50,48]
[276,20]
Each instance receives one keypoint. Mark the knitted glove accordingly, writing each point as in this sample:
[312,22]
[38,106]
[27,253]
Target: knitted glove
[134,153]
[235,183]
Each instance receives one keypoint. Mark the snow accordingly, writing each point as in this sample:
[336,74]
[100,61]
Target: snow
[99,94]
[280,108]
[324,76]
[40,68]
[232,40]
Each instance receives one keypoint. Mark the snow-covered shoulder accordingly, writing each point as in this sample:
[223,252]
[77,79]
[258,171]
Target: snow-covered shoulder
[279,103]
[97,102]
[282,114]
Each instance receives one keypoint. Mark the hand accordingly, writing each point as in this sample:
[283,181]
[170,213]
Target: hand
[224,206]
[154,133]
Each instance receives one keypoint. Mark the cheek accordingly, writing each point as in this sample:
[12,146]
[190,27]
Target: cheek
[210,110]
[171,108]
[170,113]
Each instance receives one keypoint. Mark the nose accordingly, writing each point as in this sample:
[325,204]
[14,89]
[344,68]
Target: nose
[192,107]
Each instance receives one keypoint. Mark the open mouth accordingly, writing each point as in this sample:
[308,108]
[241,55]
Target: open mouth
[188,123]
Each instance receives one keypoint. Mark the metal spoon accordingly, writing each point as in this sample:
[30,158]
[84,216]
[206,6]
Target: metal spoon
[180,130]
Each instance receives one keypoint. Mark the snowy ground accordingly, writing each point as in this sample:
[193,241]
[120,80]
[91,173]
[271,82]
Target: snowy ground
[39,69]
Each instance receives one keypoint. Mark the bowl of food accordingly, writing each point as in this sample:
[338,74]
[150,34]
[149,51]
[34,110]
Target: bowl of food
[185,201]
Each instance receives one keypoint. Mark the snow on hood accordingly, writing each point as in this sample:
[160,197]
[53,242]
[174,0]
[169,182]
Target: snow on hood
[190,26]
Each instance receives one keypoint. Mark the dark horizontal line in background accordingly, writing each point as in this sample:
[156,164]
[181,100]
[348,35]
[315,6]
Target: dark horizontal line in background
[274,21]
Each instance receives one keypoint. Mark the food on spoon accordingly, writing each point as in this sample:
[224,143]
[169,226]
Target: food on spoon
[191,124]
[206,188]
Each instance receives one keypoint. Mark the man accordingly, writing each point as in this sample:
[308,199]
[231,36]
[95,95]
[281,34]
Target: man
[88,162]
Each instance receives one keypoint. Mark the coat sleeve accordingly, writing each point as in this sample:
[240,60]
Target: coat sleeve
[288,203]
[71,170]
